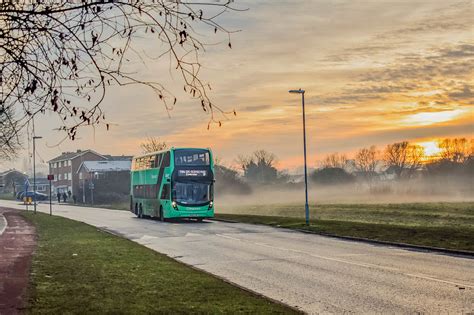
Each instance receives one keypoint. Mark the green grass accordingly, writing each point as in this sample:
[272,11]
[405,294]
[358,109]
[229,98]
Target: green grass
[82,270]
[446,225]
[7,196]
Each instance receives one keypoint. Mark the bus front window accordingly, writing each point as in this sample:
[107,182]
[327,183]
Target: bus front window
[191,193]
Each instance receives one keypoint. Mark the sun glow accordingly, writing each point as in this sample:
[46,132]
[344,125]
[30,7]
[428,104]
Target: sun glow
[429,118]
[431,148]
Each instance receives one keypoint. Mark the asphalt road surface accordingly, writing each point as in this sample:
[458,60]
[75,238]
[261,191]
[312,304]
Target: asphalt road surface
[314,273]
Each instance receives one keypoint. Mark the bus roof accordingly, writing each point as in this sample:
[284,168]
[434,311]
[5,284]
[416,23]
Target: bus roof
[166,150]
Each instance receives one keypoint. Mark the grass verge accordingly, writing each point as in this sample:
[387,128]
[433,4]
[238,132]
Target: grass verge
[80,269]
[445,225]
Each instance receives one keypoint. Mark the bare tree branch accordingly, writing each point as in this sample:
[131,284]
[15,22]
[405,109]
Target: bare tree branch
[62,56]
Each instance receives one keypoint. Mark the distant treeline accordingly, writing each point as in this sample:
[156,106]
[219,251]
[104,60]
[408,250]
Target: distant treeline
[395,163]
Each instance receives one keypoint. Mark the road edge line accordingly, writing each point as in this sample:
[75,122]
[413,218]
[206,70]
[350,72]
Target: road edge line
[6,224]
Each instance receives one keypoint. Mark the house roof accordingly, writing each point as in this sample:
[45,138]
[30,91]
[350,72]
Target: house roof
[65,156]
[11,171]
[118,157]
[105,166]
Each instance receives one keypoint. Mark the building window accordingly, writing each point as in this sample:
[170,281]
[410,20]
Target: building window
[59,176]
[80,175]
[69,163]
[70,175]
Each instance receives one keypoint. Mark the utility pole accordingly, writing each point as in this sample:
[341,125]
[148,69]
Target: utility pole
[34,171]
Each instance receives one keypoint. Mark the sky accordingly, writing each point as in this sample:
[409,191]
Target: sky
[374,72]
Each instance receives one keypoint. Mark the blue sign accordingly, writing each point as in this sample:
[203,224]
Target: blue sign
[27,184]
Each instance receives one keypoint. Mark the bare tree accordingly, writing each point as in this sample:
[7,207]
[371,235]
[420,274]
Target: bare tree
[153,144]
[259,167]
[9,136]
[62,56]
[334,160]
[366,160]
[403,157]
[457,150]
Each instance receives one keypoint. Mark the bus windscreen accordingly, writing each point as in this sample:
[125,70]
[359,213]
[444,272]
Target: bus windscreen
[192,193]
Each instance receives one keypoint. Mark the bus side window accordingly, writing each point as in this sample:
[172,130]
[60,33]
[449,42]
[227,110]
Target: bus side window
[159,157]
[165,192]
[166,160]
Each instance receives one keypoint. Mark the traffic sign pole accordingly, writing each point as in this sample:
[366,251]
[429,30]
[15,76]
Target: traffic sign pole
[50,178]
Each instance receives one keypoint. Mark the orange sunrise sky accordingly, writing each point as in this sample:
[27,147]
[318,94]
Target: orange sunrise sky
[375,72]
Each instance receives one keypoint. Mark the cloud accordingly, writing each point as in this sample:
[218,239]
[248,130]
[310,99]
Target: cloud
[465,93]
[256,108]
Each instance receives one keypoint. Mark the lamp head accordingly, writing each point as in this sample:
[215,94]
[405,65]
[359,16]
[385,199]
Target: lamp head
[299,91]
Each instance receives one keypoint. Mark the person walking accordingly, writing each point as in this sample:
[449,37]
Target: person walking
[74,199]
[69,193]
[64,197]
[59,196]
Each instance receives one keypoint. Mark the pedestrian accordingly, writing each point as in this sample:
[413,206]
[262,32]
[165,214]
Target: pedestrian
[74,198]
[69,193]
[59,196]
[64,197]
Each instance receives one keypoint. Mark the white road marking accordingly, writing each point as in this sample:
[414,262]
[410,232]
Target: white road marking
[4,225]
[366,265]
[231,238]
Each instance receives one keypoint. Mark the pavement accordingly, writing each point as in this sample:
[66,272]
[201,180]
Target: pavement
[314,273]
[17,244]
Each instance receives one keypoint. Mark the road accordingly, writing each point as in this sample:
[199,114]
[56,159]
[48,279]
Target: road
[315,273]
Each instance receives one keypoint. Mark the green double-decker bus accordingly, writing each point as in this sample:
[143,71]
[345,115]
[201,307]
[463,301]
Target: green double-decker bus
[174,183]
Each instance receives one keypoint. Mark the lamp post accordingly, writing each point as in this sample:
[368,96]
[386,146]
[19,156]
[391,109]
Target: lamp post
[300,91]
[34,171]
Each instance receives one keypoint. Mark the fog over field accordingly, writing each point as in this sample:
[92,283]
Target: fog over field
[441,189]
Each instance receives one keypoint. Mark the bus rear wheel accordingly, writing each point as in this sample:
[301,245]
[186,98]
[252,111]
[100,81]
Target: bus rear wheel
[162,218]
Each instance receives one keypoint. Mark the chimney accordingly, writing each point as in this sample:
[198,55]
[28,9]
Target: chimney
[78,151]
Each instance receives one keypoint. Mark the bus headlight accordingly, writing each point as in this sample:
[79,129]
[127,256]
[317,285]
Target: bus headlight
[211,204]
[174,204]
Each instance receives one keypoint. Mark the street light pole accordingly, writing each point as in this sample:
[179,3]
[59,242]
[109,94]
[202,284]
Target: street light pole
[300,91]
[34,171]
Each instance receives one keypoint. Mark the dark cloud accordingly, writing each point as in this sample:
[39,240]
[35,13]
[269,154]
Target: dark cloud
[465,94]
[461,51]
[256,108]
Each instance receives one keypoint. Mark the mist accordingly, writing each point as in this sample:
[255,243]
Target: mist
[439,189]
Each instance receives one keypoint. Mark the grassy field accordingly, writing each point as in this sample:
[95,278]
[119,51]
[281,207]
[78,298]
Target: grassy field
[79,269]
[448,225]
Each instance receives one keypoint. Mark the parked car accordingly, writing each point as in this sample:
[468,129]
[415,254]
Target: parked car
[39,196]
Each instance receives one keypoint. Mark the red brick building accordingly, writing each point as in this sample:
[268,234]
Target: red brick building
[64,168]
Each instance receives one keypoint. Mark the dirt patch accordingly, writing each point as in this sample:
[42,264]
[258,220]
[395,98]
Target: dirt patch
[17,244]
